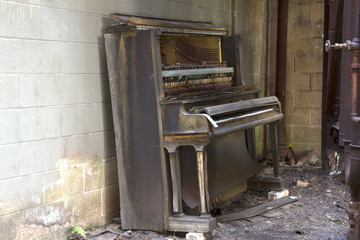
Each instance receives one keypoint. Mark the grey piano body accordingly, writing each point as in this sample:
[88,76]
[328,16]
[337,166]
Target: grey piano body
[183,136]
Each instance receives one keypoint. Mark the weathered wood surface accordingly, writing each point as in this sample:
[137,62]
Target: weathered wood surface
[254,211]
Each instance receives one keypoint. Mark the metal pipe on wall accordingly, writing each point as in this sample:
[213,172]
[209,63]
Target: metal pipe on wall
[281,48]
[233,16]
[352,147]
[324,83]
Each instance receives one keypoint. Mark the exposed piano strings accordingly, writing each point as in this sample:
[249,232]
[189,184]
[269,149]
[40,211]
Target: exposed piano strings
[189,78]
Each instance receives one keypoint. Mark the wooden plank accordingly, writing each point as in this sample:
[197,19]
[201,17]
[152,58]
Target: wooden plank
[254,211]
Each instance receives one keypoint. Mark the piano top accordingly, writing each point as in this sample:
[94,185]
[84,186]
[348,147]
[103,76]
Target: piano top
[131,22]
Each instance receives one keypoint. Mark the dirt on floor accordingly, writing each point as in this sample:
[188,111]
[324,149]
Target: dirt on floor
[319,212]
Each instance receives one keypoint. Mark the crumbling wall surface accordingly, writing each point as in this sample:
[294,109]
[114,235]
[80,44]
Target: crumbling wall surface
[57,153]
[304,75]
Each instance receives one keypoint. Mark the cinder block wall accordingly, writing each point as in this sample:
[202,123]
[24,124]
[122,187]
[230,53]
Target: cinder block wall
[57,155]
[304,75]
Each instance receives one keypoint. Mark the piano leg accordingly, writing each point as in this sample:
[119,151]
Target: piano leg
[202,176]
[179,221]
[206,181]
[251,143]
[274,147]
[176,182]
[270,183]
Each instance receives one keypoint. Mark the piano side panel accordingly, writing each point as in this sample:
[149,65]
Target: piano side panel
[231,53]
[138,140]
[175,122]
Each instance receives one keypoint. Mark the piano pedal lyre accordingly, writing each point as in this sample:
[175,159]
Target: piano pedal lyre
[205,222]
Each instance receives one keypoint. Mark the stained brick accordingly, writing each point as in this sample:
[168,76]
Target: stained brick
[85,206]
[316,81]
[9,225]
[299,81]
[300,148]
[308,64]
[316,117]
[63,183]
[299,116]
[317,11]
[289,133]
[111,200]
[308,99]
[99,174]
[289,100]
[9,91]
[306,134]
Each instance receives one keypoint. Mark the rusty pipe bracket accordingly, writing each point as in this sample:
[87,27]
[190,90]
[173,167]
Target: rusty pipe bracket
[353,211]
[355,118]
[357,225]
[335,46]
[350,46]
[347,46]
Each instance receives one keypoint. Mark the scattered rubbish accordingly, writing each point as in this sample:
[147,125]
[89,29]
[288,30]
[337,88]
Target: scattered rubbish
[273,195]
[257,210]
[118,220]
[127,234]
[268,171]
[96,232]
[300,183]
[336,163]
[272,214]
[198,236]
[106,236]
[115,226]
[338,204]
[313,180]
[290,157]
[313,159]
[113,231]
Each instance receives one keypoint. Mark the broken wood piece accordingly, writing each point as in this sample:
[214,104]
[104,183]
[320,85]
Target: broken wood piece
[300,183]
[306,157]
[290,156]
[113,231]
[254,211]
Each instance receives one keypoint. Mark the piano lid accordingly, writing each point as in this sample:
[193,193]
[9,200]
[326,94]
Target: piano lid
[129,22]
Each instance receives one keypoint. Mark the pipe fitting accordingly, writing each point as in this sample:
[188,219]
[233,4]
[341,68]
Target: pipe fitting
[353,211]
[353,45]
[347,45]
[355,118]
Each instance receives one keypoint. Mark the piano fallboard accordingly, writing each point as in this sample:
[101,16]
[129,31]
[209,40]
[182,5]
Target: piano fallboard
[220,119]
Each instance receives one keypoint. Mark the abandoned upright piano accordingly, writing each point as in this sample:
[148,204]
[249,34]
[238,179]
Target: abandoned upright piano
[184,120]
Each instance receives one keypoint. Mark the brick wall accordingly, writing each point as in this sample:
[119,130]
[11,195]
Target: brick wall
[304,75]
[57,155]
